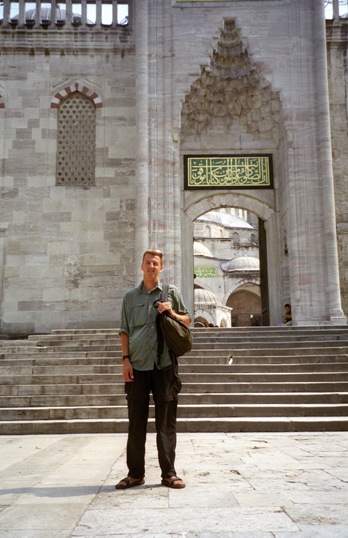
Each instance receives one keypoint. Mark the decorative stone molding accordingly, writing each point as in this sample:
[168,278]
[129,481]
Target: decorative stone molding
[231,89]
[76,87]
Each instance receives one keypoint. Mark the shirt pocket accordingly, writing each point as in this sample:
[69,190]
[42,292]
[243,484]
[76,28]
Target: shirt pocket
[137,314]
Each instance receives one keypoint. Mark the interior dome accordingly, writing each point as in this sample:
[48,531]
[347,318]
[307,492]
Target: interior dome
[241,263]
[203,296]
[201,250]
[225,219]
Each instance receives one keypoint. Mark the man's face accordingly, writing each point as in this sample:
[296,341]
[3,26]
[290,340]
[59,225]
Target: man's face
[152,266]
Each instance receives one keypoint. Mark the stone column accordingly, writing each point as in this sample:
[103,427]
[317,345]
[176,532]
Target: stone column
[37,13]
[165,220]
[141,16]
[6,14]
[68,12]
[114,13]
[3,231]
[21,14]
[335,9]
[83,13]
[336,314]
[310,204]
[98,16]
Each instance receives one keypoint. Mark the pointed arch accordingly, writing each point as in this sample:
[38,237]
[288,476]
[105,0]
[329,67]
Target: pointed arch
[261,208]
[77,87]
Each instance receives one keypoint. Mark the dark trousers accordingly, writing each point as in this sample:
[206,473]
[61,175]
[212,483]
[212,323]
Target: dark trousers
[165,386]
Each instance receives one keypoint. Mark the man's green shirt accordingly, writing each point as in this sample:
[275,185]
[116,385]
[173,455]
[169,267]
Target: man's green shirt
[138,321]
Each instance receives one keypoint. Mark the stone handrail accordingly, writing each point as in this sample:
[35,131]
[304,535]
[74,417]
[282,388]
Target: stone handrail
[61,14]
[336,10]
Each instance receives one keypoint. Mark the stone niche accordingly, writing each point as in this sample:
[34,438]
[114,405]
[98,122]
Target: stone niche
[231,91]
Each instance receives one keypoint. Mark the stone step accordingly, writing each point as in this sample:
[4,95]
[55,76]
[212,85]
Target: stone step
[194,355]
[105,400]
[80,336]
[82,331]
[274,359]
[53,361]
[228,425]
[281,379]
[243,332]
[202,334]
[264,424]
[184,411]
[11,371]
[118,388]
[229,376]
[18,342]
[266,352]
[267,345]
[221,331]
[86,346]
[199,341]
[266,387]
[61,352]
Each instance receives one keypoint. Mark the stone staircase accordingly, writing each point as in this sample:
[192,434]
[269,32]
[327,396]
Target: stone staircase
[280,379]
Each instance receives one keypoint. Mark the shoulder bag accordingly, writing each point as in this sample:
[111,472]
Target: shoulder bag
[176,334]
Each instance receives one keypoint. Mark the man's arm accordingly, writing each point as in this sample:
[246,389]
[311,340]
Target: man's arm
[183,318]
[127,366]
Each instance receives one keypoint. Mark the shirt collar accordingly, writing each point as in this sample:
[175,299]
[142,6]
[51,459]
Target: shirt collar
[142,288]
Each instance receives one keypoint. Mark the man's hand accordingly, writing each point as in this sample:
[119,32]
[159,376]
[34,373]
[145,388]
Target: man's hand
[127,371]
[162,307]
[166,306]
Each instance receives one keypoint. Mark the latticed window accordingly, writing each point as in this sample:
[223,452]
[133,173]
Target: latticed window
[76,141]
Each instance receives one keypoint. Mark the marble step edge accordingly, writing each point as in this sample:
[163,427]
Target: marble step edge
[185,410]
[246,424]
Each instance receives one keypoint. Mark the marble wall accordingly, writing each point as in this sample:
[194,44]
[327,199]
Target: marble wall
[182,77]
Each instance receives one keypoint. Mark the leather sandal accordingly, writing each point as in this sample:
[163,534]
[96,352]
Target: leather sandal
[173,482]
[129,482]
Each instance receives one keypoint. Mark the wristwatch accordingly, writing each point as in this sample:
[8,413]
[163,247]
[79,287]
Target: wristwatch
[125,357]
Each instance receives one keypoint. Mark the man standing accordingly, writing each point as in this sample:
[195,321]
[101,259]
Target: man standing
[144,372]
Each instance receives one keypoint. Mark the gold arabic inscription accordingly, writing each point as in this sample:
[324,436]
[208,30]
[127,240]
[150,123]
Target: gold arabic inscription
[224,172]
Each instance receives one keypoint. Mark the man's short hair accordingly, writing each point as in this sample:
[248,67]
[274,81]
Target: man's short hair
[154,252]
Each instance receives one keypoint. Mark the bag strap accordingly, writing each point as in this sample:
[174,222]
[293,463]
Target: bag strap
[160,339]
[164,296]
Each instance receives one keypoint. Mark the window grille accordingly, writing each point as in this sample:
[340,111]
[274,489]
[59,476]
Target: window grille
[76,141]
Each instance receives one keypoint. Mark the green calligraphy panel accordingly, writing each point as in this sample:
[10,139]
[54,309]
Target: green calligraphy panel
[205,272]
[225,172]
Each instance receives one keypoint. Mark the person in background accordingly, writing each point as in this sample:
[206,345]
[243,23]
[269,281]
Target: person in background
[143,374]
[287,314]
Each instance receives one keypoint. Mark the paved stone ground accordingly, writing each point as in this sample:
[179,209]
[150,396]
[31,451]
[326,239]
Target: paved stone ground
[238,485]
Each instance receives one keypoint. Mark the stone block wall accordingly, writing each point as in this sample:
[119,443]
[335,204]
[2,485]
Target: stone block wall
[67,251]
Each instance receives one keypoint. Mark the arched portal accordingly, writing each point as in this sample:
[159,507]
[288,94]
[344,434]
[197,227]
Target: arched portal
[271,256]
[229,268]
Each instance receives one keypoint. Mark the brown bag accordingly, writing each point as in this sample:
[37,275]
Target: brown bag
[176,334]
